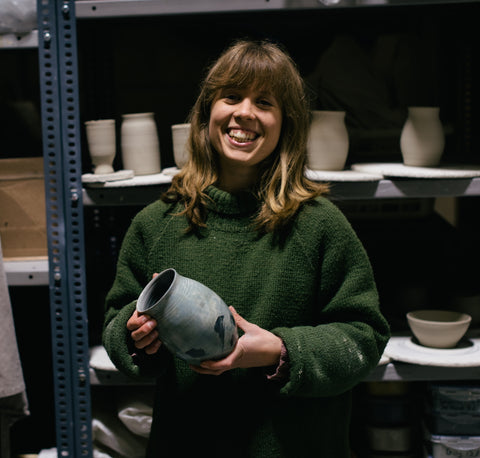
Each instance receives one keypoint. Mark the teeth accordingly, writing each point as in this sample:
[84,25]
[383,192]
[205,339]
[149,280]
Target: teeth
[241,136]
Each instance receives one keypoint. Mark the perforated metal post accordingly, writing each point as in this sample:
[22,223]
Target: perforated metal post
[62,159]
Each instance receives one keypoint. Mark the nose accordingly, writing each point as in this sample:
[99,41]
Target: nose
[245,109]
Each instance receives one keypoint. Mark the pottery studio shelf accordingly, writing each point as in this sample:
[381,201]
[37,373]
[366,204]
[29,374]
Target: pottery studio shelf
[432,365]
[16,40]
[405,360]
[26,271]
[345,185]
[118,8]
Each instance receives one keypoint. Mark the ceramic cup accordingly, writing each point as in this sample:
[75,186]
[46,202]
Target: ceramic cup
[101,144]
[193,322]
[180,134]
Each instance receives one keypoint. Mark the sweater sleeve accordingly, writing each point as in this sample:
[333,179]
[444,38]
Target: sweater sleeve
[350,332]
[120,303]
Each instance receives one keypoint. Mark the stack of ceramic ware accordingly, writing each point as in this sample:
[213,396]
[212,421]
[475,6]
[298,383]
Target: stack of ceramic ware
[392,428]
[453,419]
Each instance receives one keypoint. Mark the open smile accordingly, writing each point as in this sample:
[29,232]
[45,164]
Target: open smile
[242,136]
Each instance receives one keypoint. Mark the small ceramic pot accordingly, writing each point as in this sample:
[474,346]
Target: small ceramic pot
[328,141]
[193,322]
[180,134]
[101,144]
[422,139]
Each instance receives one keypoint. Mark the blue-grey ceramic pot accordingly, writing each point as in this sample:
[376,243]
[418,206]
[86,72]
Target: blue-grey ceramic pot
[193,322]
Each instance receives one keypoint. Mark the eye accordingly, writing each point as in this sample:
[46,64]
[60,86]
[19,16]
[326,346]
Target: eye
[265,102]
[230,96]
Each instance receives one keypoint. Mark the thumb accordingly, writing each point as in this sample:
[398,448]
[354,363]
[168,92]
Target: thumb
[241,322]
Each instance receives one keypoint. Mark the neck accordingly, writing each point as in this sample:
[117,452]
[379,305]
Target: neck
[237,180]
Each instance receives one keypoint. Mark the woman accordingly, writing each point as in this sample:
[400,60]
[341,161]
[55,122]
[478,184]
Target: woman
[242,218]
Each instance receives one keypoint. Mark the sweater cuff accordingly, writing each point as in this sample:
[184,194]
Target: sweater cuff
[282,369]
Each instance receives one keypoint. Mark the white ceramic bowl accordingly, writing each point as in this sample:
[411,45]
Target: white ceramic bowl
[438,328]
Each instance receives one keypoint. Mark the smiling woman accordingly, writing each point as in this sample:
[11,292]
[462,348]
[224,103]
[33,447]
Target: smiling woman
[242,219]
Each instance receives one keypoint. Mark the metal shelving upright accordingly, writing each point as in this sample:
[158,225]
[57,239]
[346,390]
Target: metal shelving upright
[63,188]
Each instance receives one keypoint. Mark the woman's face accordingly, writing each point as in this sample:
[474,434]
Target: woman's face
[244,126]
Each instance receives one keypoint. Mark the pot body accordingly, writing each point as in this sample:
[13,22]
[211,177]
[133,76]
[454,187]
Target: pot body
[101,144]
[140,146]
[328,142]
[193,322]
[422,139]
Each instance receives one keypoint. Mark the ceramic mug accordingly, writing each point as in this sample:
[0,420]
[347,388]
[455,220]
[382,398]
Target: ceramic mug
[193,322]
[101,144]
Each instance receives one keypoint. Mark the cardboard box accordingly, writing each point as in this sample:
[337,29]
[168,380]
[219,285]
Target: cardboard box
[23,227]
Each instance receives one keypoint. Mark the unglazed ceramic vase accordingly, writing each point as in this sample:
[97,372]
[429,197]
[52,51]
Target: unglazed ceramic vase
[101,144]
[193,322]
[140,146]
[180,134]
[328,141]
[422,139]
[438,328]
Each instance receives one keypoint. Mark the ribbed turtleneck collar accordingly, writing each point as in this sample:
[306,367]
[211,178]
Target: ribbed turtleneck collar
[241,204]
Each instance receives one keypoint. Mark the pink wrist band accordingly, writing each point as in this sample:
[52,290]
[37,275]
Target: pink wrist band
[281,371]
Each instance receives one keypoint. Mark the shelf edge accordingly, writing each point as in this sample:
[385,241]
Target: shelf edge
[26,272]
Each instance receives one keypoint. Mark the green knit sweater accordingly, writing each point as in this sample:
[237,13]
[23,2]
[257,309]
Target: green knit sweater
[313,287]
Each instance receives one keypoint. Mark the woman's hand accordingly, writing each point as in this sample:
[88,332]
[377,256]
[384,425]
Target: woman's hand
[256,348]
[144,332]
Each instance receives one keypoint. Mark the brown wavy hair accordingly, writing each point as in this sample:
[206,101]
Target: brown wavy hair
[282,187]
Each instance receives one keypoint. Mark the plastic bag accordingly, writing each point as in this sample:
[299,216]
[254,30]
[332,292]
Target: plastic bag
[111,437]
[137,417]
[18,16]
[135,409]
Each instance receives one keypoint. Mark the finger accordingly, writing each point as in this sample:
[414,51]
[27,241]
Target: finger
[147,328]
[154,275]
[153,347]
[136,321]
[149,339]
[235,314]
[221,365]
[241,322]
[205,371]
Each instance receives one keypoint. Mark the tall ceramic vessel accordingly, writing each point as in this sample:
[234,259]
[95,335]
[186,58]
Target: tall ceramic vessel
[328,141]
[422,139]
[193,322]
[140,146]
